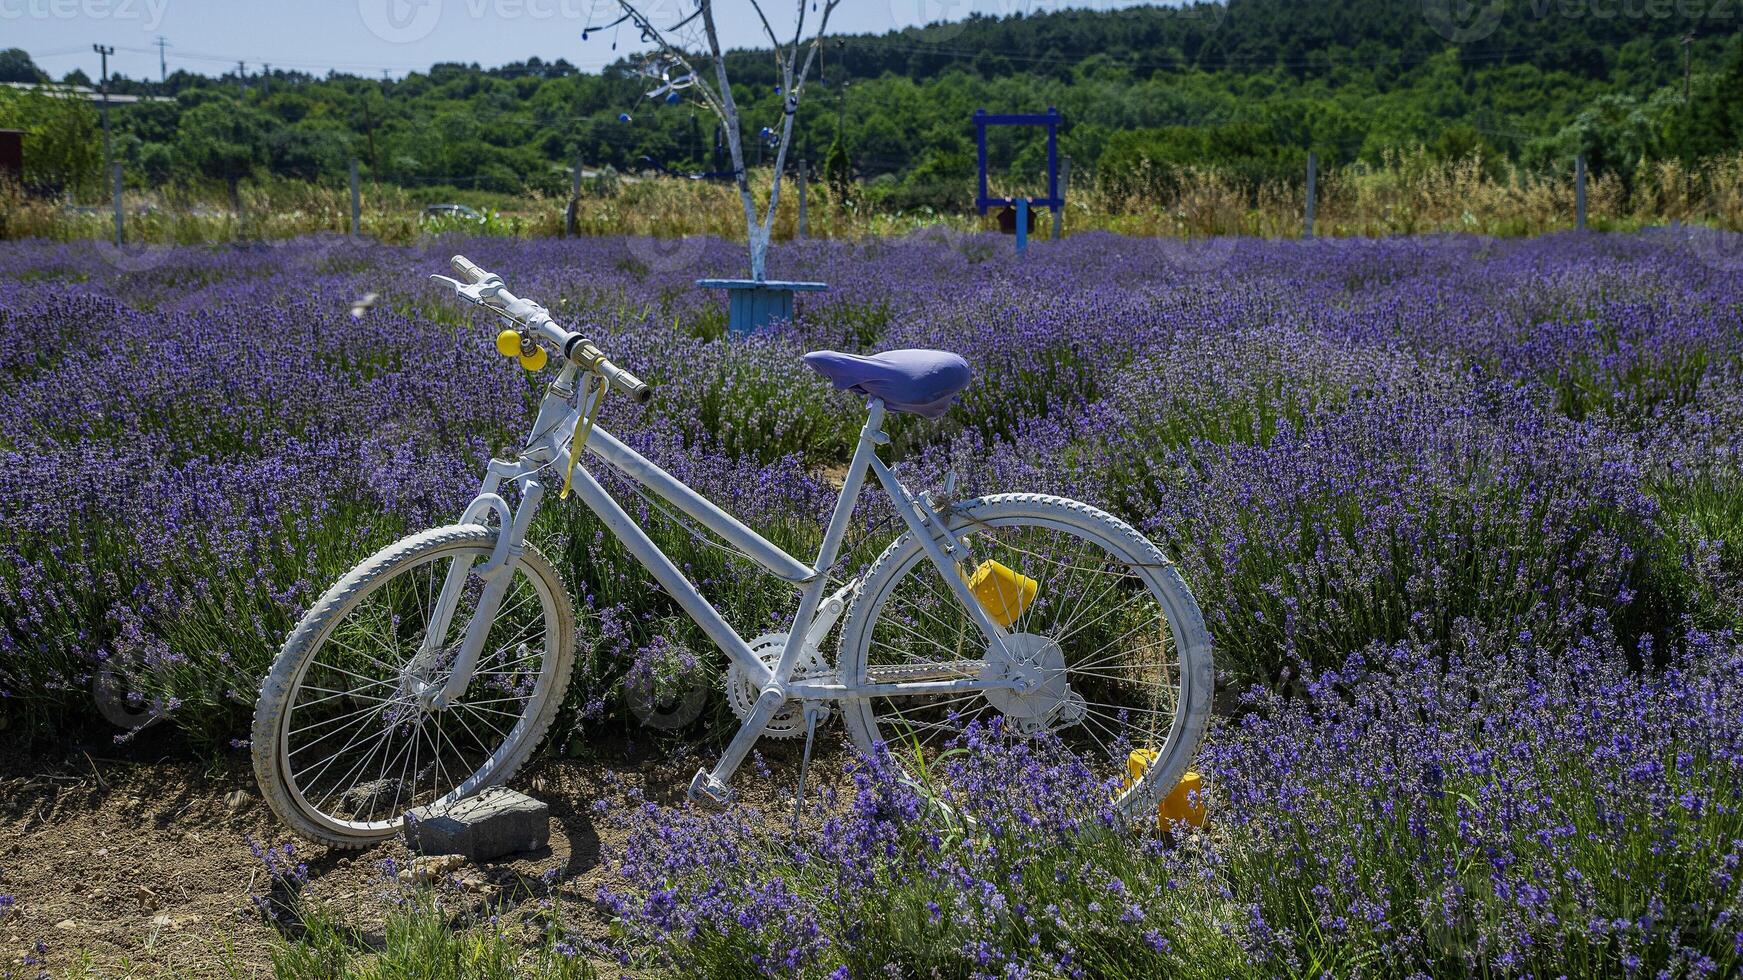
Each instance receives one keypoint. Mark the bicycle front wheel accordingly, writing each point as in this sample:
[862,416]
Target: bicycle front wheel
[346,737]
[1112,649]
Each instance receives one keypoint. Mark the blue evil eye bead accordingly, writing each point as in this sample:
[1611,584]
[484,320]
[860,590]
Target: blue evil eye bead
[673,98]
[777,90]
[584,35]
[623,117]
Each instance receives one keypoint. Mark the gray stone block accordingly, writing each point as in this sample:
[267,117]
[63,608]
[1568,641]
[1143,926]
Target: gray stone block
[485,827]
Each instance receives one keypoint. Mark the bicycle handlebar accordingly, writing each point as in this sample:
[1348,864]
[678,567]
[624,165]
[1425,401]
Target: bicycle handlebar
[487,290]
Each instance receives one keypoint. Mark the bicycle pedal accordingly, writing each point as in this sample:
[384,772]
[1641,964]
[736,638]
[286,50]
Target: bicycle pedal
[705,789]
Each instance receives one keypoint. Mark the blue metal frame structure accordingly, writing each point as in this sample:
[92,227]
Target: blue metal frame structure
[754,303]
[1050,119]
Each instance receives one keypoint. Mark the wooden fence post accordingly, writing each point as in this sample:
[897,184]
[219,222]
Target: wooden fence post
[115,185]
[1312,191]
[356,202]
[1064,185]
[1580,191]
[571,216]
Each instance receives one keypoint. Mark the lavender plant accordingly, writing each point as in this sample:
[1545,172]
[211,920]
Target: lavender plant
[1463,515]
[1488,809]
[1342,442]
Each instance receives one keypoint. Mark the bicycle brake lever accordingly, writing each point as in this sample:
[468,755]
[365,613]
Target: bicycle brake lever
[478,294]
[455,284]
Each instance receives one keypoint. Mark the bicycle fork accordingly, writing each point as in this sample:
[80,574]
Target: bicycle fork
[497,575]
[511,533]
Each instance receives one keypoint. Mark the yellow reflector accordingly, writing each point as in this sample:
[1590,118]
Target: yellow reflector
[1184,803]
[1004,594]
[508,343]
[534,361]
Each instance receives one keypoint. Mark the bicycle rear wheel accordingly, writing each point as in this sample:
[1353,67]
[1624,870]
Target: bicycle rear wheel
[343,743]
[1099,623]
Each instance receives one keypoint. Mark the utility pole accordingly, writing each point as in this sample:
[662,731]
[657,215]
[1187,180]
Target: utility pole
[105,51]
[266,81]
[162,62]
[241,79]
[1688,47]
[369,132]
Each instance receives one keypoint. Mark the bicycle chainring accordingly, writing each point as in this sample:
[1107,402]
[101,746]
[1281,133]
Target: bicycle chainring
[788,721]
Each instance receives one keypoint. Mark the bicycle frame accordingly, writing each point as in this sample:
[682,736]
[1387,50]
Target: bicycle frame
[548,449]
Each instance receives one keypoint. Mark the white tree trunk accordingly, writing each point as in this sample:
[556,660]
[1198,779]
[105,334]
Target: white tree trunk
[759,230]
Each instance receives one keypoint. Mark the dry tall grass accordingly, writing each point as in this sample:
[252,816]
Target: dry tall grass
[1407,194]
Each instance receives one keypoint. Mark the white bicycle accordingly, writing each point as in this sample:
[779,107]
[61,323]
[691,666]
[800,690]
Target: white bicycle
[433,669]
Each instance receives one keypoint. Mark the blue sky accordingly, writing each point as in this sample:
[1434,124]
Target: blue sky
[368,36]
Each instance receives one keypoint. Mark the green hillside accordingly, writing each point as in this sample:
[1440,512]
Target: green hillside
[1250,87]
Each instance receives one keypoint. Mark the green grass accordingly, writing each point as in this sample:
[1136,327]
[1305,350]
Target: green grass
[420,942]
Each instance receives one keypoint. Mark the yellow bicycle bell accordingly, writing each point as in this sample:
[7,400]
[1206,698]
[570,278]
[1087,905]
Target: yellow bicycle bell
[513,343]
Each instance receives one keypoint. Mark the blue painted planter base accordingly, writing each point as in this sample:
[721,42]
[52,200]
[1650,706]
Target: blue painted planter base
[753,304]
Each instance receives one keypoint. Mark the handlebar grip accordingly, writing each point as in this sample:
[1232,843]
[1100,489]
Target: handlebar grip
[635,387]
[468,269]
[585,353]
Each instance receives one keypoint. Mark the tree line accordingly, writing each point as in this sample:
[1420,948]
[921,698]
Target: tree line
[1248,88]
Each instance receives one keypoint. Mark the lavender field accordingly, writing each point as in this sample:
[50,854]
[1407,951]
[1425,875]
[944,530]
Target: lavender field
[1465,517]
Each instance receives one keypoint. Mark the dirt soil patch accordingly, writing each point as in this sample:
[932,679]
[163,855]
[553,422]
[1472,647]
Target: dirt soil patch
[137,861]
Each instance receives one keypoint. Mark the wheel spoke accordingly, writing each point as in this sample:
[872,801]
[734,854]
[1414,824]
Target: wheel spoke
[1091,588]
[384,736]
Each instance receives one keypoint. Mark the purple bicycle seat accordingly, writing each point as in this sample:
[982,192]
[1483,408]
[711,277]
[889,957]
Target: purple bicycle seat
[924,382]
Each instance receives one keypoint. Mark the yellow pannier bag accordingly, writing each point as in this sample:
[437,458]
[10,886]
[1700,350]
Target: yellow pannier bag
[1004,594]
[1184,803]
